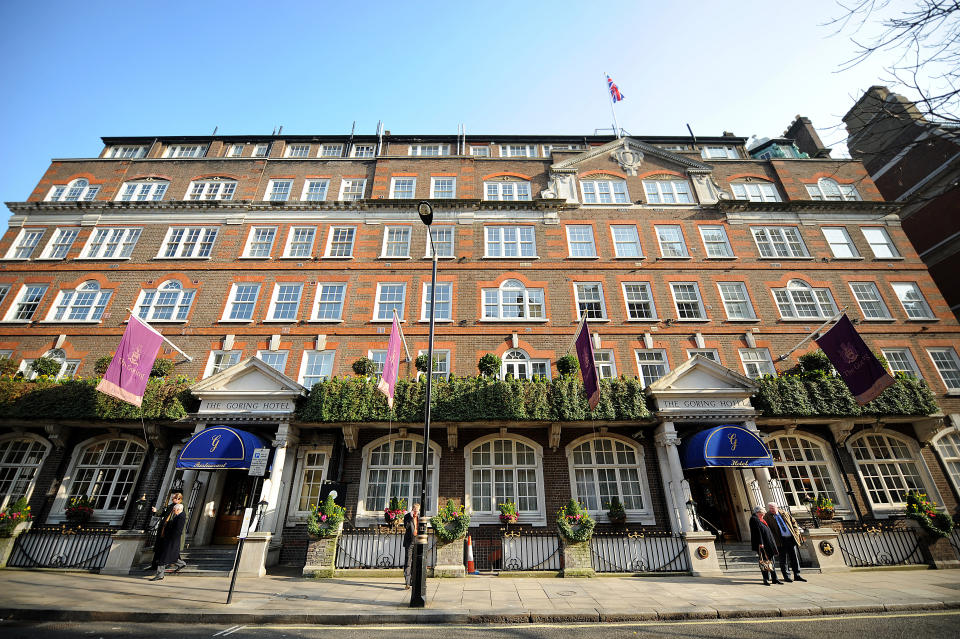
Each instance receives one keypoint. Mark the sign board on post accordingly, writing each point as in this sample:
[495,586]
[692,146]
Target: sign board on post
[258,465]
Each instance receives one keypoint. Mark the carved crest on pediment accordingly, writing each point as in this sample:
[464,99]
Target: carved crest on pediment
[629,159]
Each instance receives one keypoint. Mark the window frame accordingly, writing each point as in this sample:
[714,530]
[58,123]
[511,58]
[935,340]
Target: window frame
[76,190]
[67,302]
[233,302]
[790,290]
[330,242]
[330,150]
[676,303]
[614,189]
[295,514]
[890,508]
[223,190]
[878,299]
[211,368]
[378,302]
[394,181]
[609,360]
[576,243]
[890,246]
[627,301]
[951,354]
[949,453]
[56,247]
[645,514]
[318,299]
[278,190]
[275,301]
[329,358]
[579,290]
[502,242]
[657,228]
[254,239]
[127,151]
[617,243]
[728,249]
[355,151]
[640,363]
[837,192]
[433,230]
[764,365]
[441,356]
[146,190]
[177,304]
[746,300]
[425,302]
[348,186]
[535,367]
[110,237]
[518,151]
[661,194]
[521,191]
[402,244]
[286,356]
[366,517]
[28,239]
[907,356]
[305,194]
[297,150]
[898,286]
[848,243]
[830,470]
[769,194]
[771,243]
[289,244]
[185,151]
[536,517]
[417,150]
[522,300]
[435,193]
[20,469]
[36,300]
[710,353]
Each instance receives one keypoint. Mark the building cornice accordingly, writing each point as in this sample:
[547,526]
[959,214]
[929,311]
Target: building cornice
[809,206]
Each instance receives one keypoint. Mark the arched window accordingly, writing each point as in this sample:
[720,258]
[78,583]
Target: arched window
[799,300]
[827,189]
[604,468]
[518,365]
[805,469]
[513,301]
[501,470]
[392,468]
[77,190]
[948,445]
[889,468]
[86,303]
[169,302]
[106,471]
[20,459]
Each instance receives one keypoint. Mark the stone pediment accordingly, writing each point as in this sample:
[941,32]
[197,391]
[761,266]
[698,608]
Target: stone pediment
[701,388]
[249,387]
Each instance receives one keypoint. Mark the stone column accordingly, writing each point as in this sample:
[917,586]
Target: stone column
[125,549]
[321,557]
[702,554]
[273,483]
[823,548]
[666,436]
[450,559]
[762,475]
[253,560]
[667,482]
[576,559]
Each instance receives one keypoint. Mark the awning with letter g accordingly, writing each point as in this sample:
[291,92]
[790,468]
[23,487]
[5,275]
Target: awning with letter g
[725,446]
[219,447]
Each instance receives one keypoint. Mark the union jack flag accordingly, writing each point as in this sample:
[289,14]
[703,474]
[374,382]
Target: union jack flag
[615,94]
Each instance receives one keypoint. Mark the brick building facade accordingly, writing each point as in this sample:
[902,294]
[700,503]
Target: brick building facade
[297,249]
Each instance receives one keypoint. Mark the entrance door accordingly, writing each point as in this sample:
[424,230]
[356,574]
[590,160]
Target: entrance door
[237,494]
[712,494]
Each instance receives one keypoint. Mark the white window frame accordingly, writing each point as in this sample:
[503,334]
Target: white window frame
[181,151]
[23,248]
[661,354]
[635,240]
[868,293]
[235,151]
[425,302]
[605,363]
[355,188]
[281,354]
[518,191]
[278,190]
[792,473]
[903,290]
[309,195]
[827,189]
[719,152]
[111,239]
[37,293]
[668,192]
[426,150]
[366,517]
[396,242]
[729,301]
[15,449]
[78,190]
[580,289]
[173,295]
[757,362]
[405,194]
[442,194]
[518,151]
[68,367]
[524,241]
[580,241]
[699,301]
[947,443]
[212,189]
[726,251]
[820,298]
[261,149]
[755,191]
[889,250]
[85,304]
[441,244]
[330,242]
[323,293]
[536,517]
[665,242]
[907,363]
[297,150]
[609,191]
[772,241]
[441,363]
[127,152]
[4,291]
[205,235]
[147,190]
[643,515]
[275,301]
[380,314]
[841,247]
[645,290]
[480,151]
[216,361]
[233,302]
[379,359]
[325,369]
[519,365]
[363,150]
[710,353]
[60,243]
[304,247]
[318,479]
[949,357]
[261,238]
[890,508]
[330,151]
[527,300]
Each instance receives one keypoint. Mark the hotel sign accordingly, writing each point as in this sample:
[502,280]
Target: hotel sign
[242,406]
[695,404]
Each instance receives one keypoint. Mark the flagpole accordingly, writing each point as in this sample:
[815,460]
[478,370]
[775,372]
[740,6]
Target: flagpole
[815,331]
[403,338]
[573,344]
[613,111]
[171,344]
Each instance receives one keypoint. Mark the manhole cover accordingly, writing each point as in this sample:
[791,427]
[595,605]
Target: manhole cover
[567,593]
[278,595]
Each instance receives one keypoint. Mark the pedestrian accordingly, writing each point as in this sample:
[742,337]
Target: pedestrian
[763,541]
[175,498]
[167,550]
[787,533]
[411,523]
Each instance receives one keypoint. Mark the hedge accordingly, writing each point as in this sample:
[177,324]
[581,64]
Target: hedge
[827,396]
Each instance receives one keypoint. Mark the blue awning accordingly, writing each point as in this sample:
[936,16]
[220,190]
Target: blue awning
[219,447]
[727,445]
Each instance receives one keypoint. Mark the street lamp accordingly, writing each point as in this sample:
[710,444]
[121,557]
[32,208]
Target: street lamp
[418,591]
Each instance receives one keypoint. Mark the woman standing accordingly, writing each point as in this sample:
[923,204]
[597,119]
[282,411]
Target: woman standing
[175,498]
[168,542]
[763,541]
[411,521]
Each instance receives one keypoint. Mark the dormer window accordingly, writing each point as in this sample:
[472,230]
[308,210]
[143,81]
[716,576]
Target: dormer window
[827,189]
[186,151]
[127,152]
[719,153]
[755,191]
[79,190]
[429,149]
[518,150]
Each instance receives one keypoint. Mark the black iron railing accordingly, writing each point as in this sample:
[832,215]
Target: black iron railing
[530,550]
[62,547]
[377,547]
[955,541]
[639,552]
[880,546]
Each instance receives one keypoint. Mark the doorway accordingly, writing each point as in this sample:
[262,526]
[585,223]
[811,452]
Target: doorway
[236,496]
[711,492]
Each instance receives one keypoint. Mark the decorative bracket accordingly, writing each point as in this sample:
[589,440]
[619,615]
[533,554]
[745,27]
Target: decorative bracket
[286,435]
[350,432]
[155,435]
[554,436]
[451,436]
[841,431]
[57,434]
[926,429]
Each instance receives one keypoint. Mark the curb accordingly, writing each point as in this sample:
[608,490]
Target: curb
[447,617]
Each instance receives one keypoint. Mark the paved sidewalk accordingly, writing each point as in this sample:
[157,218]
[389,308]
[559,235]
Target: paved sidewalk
[285,598]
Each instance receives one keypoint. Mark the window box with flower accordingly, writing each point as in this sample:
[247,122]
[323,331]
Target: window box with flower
[924,511]
[79,510]
[508,513]
[616,512]
[395,510]
[15,519]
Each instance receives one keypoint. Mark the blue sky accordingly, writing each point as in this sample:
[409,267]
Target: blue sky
[71,72]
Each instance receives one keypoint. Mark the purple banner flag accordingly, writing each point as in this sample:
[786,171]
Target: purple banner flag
[126,377]
[391,367]
[863,373]
[588,367]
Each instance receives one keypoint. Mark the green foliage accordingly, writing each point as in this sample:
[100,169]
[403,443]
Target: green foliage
[574,523]
[467,399]
[827,395]
[920,508]
[489,365]
[568,365]
[364,366]
[161,367]
[102,364]
[13,515]
[421,363]
[325,519]
[508,513]
[77,398]
[8,366]
[45,366]
[451,523]
[616,511]
[815,361]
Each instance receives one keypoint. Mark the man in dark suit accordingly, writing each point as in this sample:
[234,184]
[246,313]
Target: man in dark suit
[168,542]
[787,533]
[411,521]
[763,541]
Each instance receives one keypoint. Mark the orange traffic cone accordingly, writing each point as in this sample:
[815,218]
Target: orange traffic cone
[471,567]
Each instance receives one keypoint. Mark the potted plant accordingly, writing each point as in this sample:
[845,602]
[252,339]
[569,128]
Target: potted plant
[395,510]
[326,519]
[823,507]
[508,513]
[616,513]
[79,510]
[15,518]
[451,523]
[575,524]
[489,365]
[921,509]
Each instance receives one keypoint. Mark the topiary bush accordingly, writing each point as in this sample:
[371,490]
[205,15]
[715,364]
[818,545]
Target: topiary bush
[364,367]
[421,363]
[161,367]
[568,365]
[45,366]
[489,365]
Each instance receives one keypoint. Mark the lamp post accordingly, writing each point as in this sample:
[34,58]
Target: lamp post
[418,591]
